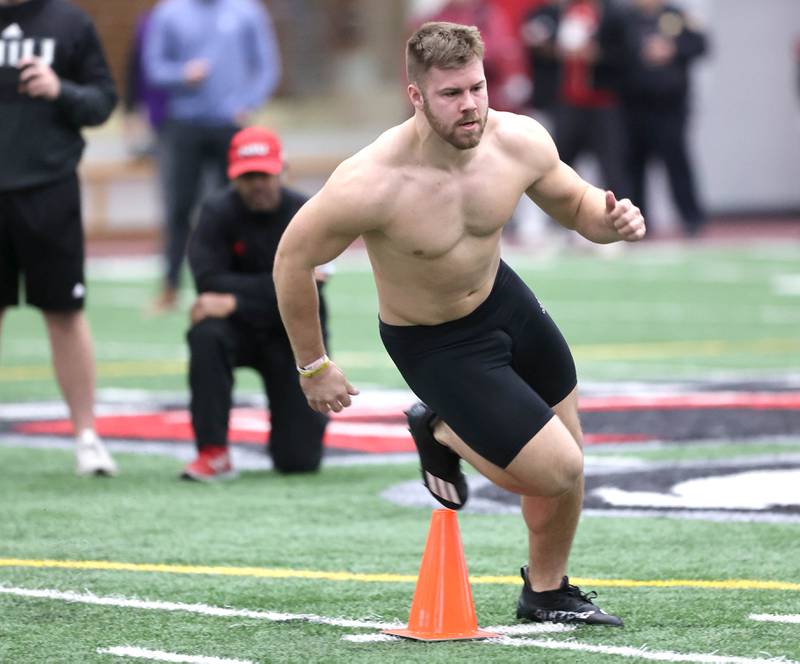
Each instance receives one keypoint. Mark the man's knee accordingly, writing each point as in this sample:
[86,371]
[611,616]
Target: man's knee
[293,462]
[207,333]
[296,447]
[551,464]
[568,469]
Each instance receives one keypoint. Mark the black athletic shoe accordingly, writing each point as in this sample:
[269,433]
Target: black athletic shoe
[441,467]
[567,604]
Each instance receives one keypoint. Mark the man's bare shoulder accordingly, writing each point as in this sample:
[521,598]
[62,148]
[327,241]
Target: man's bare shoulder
[367,174]
[523,138]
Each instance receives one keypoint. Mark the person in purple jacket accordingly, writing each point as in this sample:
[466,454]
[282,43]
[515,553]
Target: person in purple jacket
[145,105]
[218,61]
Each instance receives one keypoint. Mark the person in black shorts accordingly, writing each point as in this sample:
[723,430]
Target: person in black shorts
[430,198]
[54,80]
[235,319]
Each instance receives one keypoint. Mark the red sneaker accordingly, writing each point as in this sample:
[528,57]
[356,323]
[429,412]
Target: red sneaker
[212,463]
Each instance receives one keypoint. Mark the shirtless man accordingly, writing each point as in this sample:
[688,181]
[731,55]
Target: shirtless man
[430,198]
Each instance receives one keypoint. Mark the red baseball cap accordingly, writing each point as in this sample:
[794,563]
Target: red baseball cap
[254,150]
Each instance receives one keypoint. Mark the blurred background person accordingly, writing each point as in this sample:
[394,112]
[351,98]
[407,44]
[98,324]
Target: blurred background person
[591,47]
[218,60]
[145,105]
[664,42]
[235,319]
[505,67]
[538,34]
[54,80]
[797,64]
[575,51]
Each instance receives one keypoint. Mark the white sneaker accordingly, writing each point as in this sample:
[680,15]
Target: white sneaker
[91,456]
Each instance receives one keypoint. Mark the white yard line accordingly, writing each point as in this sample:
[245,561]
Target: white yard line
[639,653]
[621,651]
[204,609]
[224,612]
[123,268]
[770,617]
[786,284]
[161,656]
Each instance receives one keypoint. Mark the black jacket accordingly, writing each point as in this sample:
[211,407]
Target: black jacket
[667,85]
[232,250]
[604,75]
[40,140]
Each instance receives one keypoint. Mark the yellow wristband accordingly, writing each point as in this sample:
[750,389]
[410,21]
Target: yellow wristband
[316,367]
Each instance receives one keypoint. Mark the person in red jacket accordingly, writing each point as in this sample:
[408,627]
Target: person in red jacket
[506,70]
[587,40]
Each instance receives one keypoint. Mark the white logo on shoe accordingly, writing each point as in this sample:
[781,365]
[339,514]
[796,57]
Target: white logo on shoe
[563,616]
[442,488]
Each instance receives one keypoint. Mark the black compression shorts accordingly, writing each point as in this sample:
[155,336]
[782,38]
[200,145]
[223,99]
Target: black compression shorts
[41,238]
[492,375]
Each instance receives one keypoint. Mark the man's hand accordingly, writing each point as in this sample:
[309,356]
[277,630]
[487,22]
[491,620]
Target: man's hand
[328,390]
[658,50]
[195,72]
[36,79]
[625,218]
[212,305]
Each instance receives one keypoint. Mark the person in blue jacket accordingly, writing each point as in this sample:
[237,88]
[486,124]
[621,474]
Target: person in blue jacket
[219,61]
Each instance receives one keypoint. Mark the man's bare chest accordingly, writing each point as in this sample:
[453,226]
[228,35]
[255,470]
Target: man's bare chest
[433,214]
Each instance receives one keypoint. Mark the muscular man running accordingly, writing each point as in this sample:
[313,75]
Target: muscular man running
[430,198]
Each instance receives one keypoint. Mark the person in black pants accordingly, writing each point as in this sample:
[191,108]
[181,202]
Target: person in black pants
[590,44]
[235,319]
[663,43]
[217,62]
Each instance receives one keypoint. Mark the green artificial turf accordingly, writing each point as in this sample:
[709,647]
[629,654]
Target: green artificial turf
[337,521]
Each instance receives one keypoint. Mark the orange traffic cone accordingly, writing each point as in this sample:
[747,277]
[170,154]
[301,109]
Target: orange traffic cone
[442,609]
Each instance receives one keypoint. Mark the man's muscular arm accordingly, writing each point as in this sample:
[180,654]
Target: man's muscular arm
[321,230]
[576,204]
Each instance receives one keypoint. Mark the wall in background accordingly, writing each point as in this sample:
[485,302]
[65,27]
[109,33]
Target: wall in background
[746,123]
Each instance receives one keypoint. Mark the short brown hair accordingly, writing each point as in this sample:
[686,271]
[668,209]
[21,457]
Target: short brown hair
[442,45]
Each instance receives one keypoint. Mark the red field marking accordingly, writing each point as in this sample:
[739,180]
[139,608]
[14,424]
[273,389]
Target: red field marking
[695,400]
[250,426]
[382,429]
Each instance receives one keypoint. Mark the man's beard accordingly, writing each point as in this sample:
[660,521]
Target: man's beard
[450,133]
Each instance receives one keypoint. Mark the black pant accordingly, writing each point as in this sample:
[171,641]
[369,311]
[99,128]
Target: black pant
[600,132]
[186,151]
[217,346]
[660,132]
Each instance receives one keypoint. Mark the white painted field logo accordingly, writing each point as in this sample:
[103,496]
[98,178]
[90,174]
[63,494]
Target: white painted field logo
[763,490]
[749,490]
[14,47]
